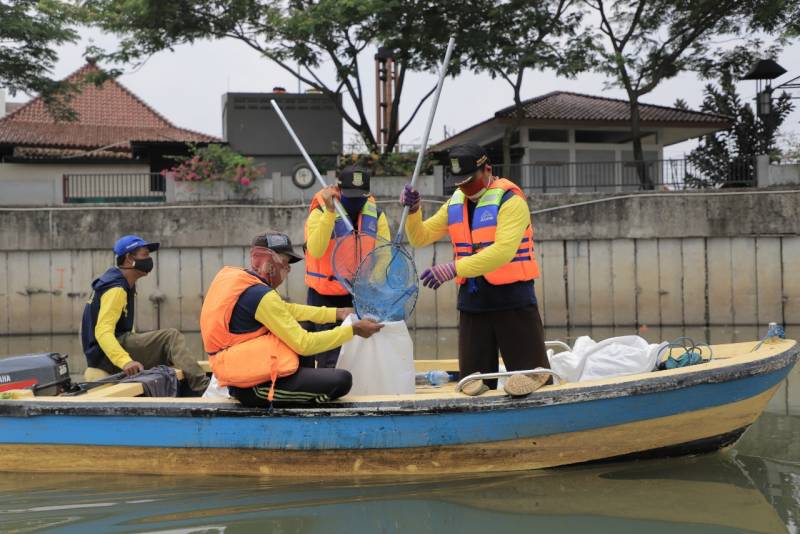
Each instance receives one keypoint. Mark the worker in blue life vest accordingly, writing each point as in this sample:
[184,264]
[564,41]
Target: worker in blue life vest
[489,225]
[109,339]
[322,228]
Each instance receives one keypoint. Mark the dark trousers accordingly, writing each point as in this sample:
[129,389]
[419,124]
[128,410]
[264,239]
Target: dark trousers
[306,385]
[518,335]
[329,358]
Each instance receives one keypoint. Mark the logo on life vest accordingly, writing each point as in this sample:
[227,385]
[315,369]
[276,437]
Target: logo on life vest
[358,179]
[455,165]
[487,216]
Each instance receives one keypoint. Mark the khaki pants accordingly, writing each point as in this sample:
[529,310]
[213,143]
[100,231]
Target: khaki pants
[163,347]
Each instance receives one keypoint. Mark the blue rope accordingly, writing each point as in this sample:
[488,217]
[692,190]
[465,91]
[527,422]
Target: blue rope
[775,330]
[692,354]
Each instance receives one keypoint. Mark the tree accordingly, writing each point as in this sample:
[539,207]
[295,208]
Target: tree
[308,33]
[650,41]
[728,157]
[30,31]
[521,35]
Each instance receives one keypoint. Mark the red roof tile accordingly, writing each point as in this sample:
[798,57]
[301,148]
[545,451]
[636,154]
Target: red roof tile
[565,106]
[109,115]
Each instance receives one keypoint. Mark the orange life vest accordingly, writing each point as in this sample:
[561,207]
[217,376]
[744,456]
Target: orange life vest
[467,241]
[242,360]
[319,271]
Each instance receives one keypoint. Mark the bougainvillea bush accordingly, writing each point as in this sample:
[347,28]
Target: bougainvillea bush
[214,163]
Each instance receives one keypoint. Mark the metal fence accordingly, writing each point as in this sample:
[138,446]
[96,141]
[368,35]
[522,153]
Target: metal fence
[617,176]
[614,176]
[114,188]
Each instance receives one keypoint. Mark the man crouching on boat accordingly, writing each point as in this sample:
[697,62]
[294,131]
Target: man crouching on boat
[107,334]
[253,338]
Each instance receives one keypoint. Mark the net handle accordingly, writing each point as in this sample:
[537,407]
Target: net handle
[339,208]
[424,145]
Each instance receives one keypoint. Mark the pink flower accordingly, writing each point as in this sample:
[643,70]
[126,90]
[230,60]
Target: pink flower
[245,181]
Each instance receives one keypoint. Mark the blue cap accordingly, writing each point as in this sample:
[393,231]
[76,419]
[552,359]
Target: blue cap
[129,243]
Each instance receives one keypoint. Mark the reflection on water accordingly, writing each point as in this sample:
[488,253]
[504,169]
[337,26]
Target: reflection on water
[755,487]
[714,493]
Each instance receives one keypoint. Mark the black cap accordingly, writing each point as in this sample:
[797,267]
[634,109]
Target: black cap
[277,242]
[354,181]
[464,161]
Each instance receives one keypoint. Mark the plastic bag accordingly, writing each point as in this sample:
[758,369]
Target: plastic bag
[215,391]
[616,356]
[382,364]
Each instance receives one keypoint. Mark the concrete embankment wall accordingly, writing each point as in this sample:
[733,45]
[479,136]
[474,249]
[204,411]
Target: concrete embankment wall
[662,258]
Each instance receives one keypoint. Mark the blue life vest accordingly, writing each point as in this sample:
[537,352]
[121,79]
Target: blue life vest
[110,279]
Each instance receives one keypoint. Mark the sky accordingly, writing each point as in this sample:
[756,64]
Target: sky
[186,86]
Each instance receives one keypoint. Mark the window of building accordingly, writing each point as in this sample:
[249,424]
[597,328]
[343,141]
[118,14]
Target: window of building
[610,136]
[548,136]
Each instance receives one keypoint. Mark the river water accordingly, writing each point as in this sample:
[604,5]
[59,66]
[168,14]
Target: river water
[753,487]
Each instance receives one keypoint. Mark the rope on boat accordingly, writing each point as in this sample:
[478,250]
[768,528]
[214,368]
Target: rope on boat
[775,331]
[692,353]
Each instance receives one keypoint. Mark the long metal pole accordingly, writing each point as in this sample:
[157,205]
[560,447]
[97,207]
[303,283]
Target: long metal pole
[339,208]
[423,147]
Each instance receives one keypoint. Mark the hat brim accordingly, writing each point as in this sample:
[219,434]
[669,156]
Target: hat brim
[457,179]
[354,193]
[293,258]
[152,247]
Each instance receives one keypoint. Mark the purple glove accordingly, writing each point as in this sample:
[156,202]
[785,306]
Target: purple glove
[438,275]
[410,198]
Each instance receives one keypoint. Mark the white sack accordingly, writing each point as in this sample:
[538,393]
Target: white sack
[616,356]
[382,364]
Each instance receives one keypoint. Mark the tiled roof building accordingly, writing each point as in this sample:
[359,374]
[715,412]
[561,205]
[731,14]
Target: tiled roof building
[111,122]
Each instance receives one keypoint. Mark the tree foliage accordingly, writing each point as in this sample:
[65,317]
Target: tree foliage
[511,38]
[308,33]
[728,157]
[30,32]
[649,41]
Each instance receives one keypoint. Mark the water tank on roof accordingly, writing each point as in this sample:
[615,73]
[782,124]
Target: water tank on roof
[251,127]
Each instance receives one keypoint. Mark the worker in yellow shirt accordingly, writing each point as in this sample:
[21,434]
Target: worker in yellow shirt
[107,331]
[323,227]
[253,337]
[489,225]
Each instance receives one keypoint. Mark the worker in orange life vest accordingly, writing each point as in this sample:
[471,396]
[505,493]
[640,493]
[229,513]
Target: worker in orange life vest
[253,338]
[322,229]
[489,225]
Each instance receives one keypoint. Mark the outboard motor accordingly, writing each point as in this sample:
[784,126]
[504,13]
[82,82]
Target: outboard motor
[46,373]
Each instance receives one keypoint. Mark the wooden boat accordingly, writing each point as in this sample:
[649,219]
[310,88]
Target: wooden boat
[686,410]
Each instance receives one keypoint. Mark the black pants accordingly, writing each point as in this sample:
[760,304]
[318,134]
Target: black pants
[306,385]
[328,358]
[517,334]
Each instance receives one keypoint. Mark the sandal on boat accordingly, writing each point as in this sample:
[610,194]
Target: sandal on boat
[521,385]
[474,388]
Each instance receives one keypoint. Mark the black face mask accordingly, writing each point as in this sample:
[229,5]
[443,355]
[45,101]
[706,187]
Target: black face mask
[145,265]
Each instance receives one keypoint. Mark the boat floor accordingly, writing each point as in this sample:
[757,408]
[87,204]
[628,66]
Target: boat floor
[724,356]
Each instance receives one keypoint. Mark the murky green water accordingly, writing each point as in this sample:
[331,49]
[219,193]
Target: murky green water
[755,487]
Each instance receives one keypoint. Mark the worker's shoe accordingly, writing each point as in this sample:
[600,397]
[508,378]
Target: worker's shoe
[521,385]
[474,388]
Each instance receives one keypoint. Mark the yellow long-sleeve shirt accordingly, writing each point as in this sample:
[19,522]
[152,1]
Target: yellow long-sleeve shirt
[113,304]
[281,318]
[512,220]
[320,226]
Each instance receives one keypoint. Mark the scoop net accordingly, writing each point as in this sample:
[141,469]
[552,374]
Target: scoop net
[385,286]
[348,253]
